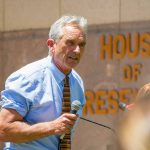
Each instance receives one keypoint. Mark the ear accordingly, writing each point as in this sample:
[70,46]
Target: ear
[50,43]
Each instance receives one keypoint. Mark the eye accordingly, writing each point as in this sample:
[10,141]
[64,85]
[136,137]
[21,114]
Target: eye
[70,43]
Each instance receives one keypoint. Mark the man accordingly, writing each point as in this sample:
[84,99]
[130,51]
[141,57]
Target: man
[31,117]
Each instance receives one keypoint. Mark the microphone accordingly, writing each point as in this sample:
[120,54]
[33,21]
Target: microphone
[124,106]
[75,106]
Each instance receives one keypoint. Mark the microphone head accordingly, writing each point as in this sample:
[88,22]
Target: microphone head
[122,106]
[76,105]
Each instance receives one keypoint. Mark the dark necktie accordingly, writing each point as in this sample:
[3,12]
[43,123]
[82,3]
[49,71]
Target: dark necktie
[65,143]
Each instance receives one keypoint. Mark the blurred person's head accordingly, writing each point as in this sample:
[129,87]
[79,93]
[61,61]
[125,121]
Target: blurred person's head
[135,127]
[143,94]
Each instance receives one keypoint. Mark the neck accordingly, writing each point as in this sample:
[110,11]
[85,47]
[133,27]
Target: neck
[63,70]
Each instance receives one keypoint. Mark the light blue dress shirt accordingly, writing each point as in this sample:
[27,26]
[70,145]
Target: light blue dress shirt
[35,92]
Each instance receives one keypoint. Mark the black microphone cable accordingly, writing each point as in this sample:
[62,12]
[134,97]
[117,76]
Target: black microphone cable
[75,106]
[102,125]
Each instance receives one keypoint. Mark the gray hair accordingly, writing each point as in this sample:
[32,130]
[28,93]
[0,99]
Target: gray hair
[56,33]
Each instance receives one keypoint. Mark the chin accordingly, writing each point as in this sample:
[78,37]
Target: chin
[73,65]
[70,67]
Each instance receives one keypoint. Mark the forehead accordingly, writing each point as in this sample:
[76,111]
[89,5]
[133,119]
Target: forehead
[73,32]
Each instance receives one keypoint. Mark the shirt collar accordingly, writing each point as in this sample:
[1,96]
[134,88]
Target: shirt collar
[58,75]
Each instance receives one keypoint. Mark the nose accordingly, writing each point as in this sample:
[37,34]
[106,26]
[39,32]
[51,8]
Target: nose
[77,49]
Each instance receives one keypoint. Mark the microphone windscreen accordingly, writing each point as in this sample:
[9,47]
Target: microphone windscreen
[76,105]
[122,106]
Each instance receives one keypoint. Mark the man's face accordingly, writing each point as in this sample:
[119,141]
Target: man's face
[68,50]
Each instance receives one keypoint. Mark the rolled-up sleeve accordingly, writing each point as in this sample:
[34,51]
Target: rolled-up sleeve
[17,94]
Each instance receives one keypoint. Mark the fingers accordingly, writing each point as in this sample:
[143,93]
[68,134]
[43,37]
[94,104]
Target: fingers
[69,120]
[72,117]
[62,128]
[64,123]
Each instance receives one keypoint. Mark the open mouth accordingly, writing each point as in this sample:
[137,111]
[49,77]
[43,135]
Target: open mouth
[73,58]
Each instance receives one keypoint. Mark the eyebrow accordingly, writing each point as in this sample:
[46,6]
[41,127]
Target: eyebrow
[82,42]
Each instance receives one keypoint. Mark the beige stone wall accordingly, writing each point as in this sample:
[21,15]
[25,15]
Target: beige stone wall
[135,10]
[1,15]
[1,62]
[96,11]
[20,14]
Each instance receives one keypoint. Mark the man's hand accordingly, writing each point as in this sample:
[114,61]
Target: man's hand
[64,123]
